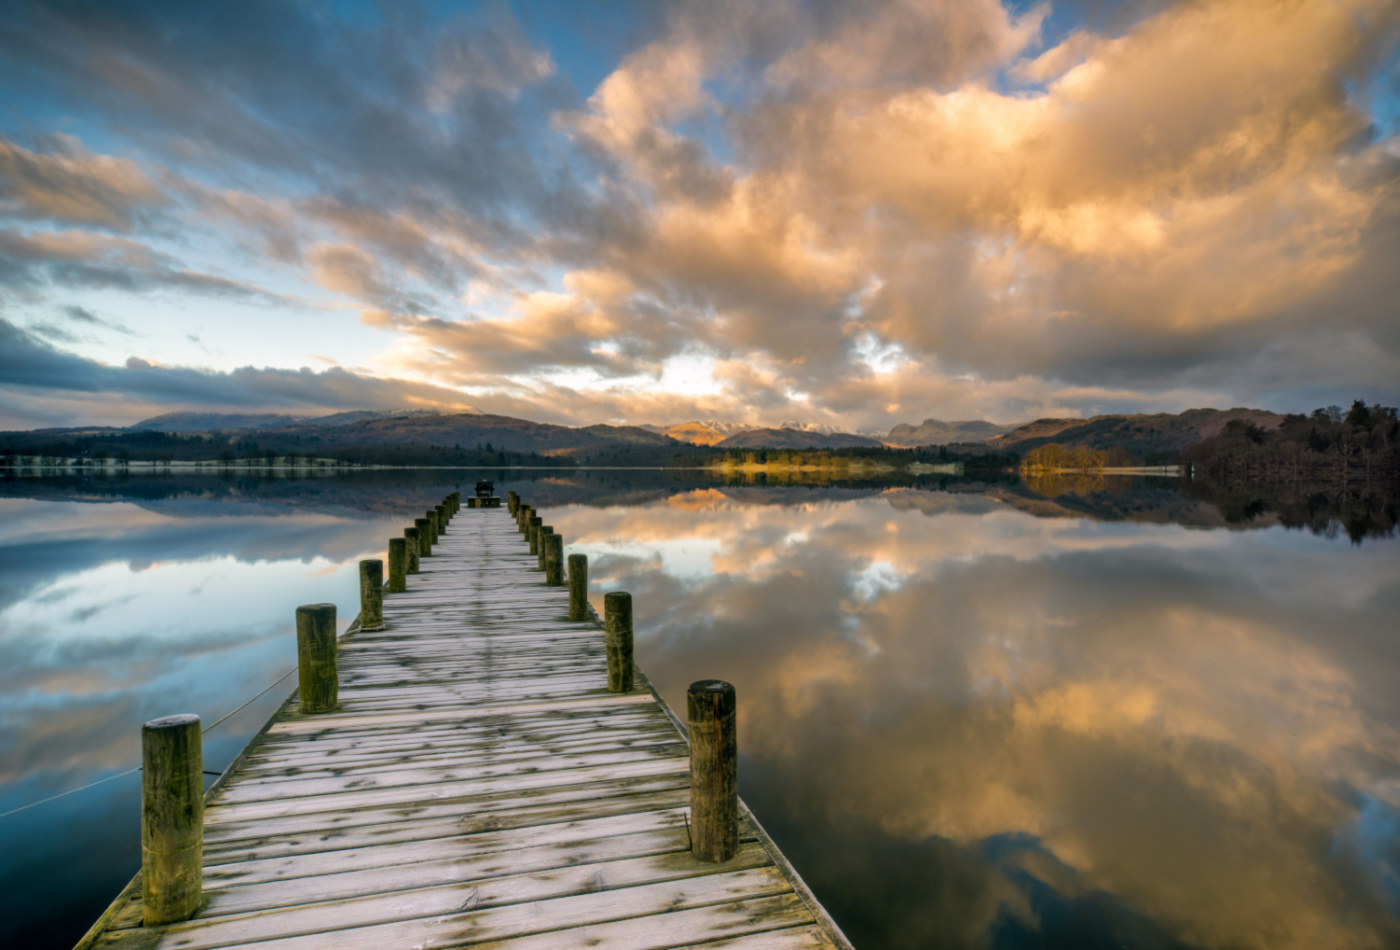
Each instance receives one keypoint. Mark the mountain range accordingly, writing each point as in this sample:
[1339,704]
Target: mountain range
[186,433]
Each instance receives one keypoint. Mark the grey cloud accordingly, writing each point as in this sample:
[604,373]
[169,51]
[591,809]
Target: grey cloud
[82,315]
[52,331]
[71,185]
[28,363]
[36,261]
[283,88]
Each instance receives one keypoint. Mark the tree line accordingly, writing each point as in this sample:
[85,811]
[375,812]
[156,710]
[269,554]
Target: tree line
[1361,444]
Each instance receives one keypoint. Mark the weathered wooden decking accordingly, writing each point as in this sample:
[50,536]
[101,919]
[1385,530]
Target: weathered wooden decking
[477,787]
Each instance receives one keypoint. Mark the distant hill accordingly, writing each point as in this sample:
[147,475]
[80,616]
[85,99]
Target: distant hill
[795,439]
[1141,435]
[398,437]
[424,436]
[938,432]
[471,431]
[211,421]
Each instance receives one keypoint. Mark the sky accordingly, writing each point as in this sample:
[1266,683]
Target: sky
[759,211]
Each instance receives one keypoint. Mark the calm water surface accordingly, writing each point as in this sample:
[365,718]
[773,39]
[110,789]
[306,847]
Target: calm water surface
[976,717]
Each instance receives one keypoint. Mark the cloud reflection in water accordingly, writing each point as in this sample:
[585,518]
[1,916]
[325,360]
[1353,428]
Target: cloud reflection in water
[114,614]
[974,727]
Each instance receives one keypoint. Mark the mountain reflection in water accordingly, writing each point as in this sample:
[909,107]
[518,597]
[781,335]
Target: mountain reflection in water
[972,718]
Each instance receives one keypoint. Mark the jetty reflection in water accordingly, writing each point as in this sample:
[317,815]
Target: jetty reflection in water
[971,718]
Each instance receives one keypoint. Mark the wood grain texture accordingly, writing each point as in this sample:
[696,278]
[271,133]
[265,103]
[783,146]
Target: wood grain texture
[478,785]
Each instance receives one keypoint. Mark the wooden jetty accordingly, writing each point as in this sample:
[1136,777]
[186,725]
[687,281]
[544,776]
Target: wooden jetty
[475,784]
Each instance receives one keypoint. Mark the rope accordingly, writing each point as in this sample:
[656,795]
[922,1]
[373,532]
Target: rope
[71,791]
[249,702]
[113,778]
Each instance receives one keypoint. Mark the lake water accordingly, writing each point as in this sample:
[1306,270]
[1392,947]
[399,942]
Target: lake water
[972,715]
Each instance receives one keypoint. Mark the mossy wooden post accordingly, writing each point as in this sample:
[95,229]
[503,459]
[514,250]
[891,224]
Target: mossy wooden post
[542,555]
[522,517]
[533,533]
[578,586]
[320,683]
[714,771]
[372,594]
[414,547]
[442,518]
[398,565]
[172,818]
[425,538]
[512,501]
[617,621]
[554,560]
[431,516]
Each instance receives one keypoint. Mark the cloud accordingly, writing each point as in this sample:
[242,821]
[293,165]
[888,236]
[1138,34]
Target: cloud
[82,315]
[38,260]
[28,364]
[71,185]
[1154,200]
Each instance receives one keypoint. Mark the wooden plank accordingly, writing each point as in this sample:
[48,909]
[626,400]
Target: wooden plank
[299,786]
[383,895]
[441,791]
[301,724]
[466,757]
[484,811]
[720,895]
[252,866]
[387,827]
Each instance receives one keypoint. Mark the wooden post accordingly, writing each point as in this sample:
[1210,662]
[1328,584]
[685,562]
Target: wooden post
[533,533]
[425,538]
[714,771]
[512,501]
[413,545]
[320,684]
[546,532]
[554,560]
[398,565]
[522,517]
[431,516]
[172,819]
[617,621]
[443,517]
[372,594]
[578,586]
